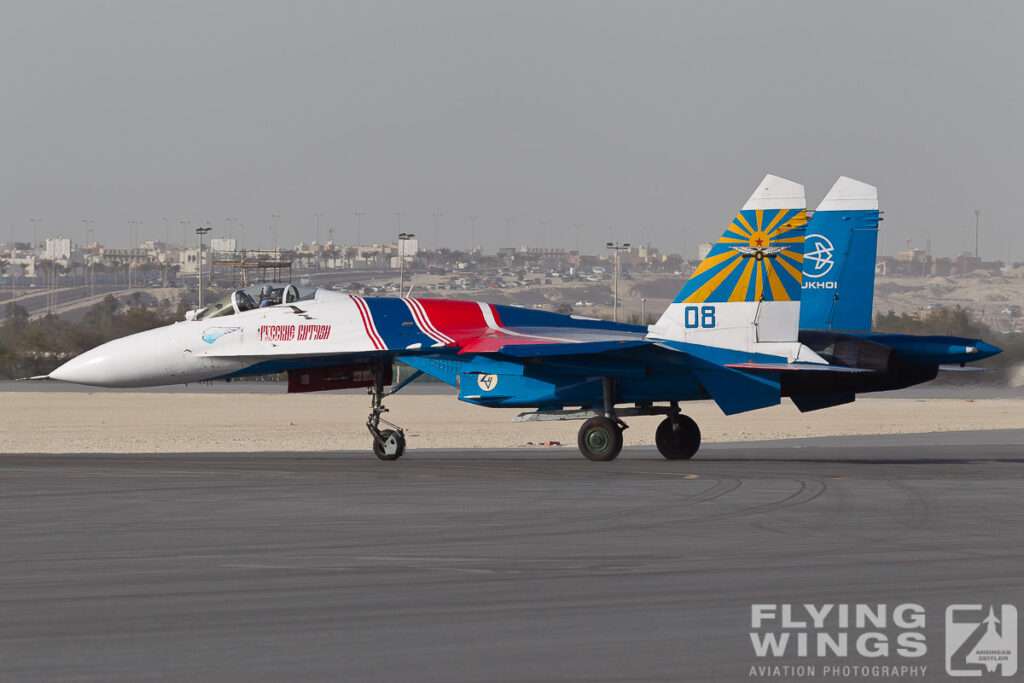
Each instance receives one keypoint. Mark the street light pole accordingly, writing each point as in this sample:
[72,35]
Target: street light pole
[201,231]
[35,246]
[359,228]
[128,257]
[616,247]
[977,223]
[402,237]
[92,258]
[275,216]
[359,235]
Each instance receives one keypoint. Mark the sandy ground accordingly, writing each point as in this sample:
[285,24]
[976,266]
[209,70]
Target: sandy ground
[140,422]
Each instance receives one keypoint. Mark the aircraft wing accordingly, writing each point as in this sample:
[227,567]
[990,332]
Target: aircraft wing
[536,343]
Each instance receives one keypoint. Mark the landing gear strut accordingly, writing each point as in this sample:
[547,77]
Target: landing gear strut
[388,444]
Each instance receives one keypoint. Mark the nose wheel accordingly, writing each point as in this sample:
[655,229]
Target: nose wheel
[677,437]
[388,444]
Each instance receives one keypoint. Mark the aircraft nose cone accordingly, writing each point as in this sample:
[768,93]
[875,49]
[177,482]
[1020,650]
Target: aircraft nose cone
[133,361]
[101,367]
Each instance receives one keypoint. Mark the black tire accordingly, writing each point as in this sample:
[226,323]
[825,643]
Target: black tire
[378,446]
[600,439]
[677,438]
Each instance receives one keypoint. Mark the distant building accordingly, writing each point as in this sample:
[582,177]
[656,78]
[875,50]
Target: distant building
[188,261]
[942,266]
[914,262]
[885,265]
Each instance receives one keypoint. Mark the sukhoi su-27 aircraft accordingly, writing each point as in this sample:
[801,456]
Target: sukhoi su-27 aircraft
[731,335]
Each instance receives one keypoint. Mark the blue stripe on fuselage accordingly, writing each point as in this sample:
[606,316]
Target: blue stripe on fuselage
[396,325]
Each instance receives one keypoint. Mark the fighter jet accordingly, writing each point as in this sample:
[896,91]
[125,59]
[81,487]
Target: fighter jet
[731,335]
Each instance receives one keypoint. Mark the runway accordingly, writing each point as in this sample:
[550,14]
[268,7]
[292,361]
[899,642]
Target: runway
[505,565]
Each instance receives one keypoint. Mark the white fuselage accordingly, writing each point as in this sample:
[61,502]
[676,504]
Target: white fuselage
[196,350]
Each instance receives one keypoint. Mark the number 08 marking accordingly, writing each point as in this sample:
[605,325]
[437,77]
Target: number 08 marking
[703,316]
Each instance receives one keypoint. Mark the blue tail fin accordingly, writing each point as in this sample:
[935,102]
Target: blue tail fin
[839,259]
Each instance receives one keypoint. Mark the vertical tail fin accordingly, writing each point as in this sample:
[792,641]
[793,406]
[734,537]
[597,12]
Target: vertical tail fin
[839,259]
[747,289]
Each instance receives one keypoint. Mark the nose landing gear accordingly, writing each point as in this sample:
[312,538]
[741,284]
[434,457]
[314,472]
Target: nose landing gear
[388,444]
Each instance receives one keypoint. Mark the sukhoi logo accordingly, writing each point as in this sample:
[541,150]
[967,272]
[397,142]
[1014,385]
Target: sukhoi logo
[818,250]
[487,382]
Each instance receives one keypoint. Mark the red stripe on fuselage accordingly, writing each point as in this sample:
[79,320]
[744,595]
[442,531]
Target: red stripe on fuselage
[425,324]
[457,320]
[368,326]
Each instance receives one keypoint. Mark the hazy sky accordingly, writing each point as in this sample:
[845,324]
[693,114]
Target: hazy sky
[630,118]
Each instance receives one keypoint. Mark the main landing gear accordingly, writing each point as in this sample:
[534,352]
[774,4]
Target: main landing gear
[600,437]
[388,444]
[677,437]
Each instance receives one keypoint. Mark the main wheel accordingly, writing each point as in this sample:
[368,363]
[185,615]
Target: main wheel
[392,447]
[678,437]
[600,439]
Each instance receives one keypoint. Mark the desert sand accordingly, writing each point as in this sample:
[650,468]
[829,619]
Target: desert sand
[144,422]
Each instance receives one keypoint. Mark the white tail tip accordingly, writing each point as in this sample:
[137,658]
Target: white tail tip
[776,193]
[850,195]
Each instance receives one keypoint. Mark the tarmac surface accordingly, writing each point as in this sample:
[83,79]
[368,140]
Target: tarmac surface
[506,565]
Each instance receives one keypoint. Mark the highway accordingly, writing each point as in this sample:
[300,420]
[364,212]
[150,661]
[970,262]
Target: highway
[72,302]
[512,565]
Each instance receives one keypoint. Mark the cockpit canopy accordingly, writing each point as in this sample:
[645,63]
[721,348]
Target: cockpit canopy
[254,296]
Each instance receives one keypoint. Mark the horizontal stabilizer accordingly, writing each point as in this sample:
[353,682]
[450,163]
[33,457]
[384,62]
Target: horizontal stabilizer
[737,392]
[818,401]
